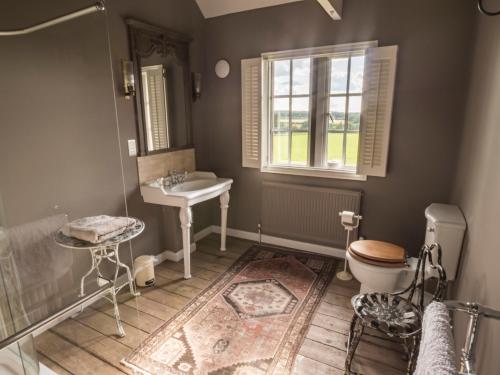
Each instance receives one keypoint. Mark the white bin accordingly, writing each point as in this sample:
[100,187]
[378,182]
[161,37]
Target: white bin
[144,270]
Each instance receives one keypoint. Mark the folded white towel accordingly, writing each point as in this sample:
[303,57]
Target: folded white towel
[437,349]
[96,229]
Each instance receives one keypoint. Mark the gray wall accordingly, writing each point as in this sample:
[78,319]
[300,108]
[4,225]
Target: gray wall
[56,95]
[58,137]
[59,140]
[434,39]
[162,224]
[427,112]
[477,189]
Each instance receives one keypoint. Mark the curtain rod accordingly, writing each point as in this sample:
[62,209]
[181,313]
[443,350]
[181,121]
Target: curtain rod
[97,7]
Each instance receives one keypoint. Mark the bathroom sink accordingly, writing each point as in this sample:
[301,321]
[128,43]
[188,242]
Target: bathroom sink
[197,187]
[194,185]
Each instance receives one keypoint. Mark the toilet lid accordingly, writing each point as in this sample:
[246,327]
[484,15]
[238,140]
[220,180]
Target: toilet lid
[378,251]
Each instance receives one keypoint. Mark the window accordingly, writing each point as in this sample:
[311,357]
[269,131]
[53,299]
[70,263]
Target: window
[344,105]
[290,100]
[321,112]
[330,84]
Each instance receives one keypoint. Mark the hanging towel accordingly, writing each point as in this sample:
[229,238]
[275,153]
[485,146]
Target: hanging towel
[437,349]
[96,229]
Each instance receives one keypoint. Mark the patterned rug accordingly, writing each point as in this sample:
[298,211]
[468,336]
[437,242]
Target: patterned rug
[250,321]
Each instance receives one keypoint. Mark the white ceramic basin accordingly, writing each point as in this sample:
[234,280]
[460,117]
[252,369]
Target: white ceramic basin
[194,185]
[197,187]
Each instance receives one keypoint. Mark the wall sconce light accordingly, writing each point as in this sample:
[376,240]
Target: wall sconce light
[128,78]
[196,86]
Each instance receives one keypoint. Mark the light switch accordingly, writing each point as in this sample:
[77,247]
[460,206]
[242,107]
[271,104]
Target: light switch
[132,147]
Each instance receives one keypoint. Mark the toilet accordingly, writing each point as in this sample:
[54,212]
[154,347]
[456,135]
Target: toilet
[384,267]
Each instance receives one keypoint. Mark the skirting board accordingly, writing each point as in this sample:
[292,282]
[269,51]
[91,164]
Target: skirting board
[203,233]
[272,240]
[174,256]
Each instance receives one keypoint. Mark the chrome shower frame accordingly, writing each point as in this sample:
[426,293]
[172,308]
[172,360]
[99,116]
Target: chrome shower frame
[97,7]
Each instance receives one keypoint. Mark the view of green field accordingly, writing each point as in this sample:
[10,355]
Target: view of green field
[300,147]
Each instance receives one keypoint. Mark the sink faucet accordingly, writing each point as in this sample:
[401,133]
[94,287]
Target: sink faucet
[176,178]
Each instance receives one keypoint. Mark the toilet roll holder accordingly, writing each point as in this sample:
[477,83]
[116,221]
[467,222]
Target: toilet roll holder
[349,221]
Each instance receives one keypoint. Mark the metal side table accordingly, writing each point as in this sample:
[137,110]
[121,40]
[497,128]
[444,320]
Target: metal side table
[108,250]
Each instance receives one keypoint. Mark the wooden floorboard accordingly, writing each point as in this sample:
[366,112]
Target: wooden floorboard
[196,271]
[169,299]
[308,366]
[153,308]
[164,272]
[135,317]
[330,323]
[335,311]
[365,349]
[71,357]
[88,343]
[323,353]
[52,365]
[183,290]
[107,326]
[335,299]
[165,276]
[94,342]
[218,259]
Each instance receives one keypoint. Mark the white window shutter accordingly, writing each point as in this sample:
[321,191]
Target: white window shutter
[251,111]
[376,112]
[153,81]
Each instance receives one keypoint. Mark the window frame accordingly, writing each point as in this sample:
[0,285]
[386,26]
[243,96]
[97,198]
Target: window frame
[317,108]
[347,95]
[290,96]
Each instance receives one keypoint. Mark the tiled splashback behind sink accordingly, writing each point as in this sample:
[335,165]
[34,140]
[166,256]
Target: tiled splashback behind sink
[155,166]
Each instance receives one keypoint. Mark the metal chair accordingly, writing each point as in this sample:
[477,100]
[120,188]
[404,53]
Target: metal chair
[399,314]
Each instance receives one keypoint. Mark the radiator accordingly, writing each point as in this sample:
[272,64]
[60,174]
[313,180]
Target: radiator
[307,213]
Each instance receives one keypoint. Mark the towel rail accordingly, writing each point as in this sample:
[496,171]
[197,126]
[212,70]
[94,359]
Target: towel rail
[475,312]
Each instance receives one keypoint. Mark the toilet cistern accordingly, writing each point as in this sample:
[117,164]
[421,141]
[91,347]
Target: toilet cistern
[349,221]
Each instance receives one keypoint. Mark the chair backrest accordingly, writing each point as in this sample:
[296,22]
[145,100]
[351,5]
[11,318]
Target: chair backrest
[418,284]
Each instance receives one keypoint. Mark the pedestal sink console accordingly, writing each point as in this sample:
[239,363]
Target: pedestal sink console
[197,187]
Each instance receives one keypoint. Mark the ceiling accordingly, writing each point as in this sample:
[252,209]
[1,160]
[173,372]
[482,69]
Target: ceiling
[215,8]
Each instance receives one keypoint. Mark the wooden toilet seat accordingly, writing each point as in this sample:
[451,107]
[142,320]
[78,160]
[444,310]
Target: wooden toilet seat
[378,253]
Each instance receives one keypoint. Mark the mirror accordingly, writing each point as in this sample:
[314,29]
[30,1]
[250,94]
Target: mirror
[162,77]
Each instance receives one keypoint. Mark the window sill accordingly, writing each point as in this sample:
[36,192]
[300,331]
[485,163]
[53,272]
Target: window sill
[314,172]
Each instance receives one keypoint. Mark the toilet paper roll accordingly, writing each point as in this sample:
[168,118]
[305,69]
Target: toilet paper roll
[347,217]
